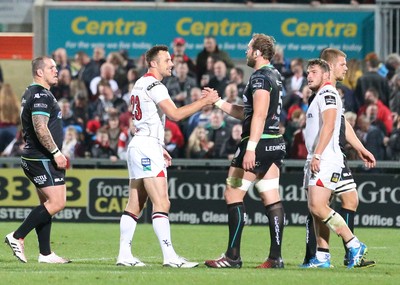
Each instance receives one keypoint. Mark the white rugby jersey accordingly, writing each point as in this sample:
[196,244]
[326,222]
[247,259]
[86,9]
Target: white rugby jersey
[148,118]
[326,98]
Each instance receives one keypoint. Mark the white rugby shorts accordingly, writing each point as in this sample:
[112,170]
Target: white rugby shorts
[327,177]
[145,158]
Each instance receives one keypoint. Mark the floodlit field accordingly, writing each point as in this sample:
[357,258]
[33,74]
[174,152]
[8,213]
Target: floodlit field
[94,247]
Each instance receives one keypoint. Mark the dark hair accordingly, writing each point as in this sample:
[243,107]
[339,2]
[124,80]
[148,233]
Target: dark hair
[152,53]
[38,63]
[320,62]
[265,44]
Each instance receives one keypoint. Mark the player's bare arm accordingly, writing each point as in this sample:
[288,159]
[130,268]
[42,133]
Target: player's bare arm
[42,131]
[233,110]
[177,114]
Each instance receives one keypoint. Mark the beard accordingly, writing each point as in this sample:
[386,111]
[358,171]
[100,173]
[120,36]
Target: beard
[251,62]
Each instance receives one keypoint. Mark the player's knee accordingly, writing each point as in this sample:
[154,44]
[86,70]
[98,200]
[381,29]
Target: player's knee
[238,183]
[335,222]
[265,185]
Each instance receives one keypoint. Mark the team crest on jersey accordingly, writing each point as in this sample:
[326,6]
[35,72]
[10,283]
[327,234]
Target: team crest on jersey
[37,96]
[330,100]
[335,177]
[59,116]
[153,85]
[257,83]
[146,163]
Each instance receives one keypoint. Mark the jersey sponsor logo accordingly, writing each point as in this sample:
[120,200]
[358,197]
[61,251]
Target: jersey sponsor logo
[257,83]
[59,116]
[330,100]
[275,147]
[58,179]
[335,177]
[40,105]
[146,163]
[309,115]
[153,85]
[40,180]
[37,95]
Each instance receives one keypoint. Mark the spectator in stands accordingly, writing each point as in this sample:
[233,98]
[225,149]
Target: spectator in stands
[231,95]
[88,69]
[131,76]
[177,135]
[217,132]
[371,78]
[295,123]
[9,115]
[393,146]
[392,64]
[61,58]
[380,114]
[99,55]
[170,146]
[301,103]
[298,148]
[179,48]
[220,80]
[128,63]
[349,151]
[79,107]
[236,76]
[348,100]
[117,60]
[394,101]
[70,142]
[179,86]
[124,139]
[67,116]
[281,63]
[113,129]
[210,48]
[294,83]
[101,148]
[201,118]
[198,144]
[107,72]
[229,146]
[108,100]
[353,73]
[63,87]
[16,147]
[371,136]
[1,75]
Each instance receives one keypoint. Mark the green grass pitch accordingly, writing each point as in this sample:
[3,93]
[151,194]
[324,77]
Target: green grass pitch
[93,249]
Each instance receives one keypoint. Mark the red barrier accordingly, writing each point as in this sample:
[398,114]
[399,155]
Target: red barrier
[16,46]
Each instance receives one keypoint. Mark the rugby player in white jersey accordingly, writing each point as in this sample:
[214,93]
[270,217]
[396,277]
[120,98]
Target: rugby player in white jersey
[147,159]
[325,161]
[346,189]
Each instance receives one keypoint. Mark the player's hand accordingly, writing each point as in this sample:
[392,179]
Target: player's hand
[367,157]
[61,161]
[210,95]
[315,165]
[167,158]
[249,160]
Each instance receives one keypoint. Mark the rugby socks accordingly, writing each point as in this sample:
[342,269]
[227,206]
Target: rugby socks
[323,254]
[348,216]
[39,215]
[43,235]
[236,215]
[311,241]
[127,226]
[276,217]
[163,232]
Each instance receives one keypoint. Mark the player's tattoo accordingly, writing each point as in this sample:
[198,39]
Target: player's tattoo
[42,132]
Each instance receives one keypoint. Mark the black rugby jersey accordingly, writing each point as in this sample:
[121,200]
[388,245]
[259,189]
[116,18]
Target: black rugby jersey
[269,79]
[38,100]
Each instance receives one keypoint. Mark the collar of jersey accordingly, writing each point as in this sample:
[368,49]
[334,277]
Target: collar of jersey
[266,65]
[37,84]
[149,74]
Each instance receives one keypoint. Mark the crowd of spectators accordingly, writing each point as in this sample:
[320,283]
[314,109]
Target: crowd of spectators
[94,95]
